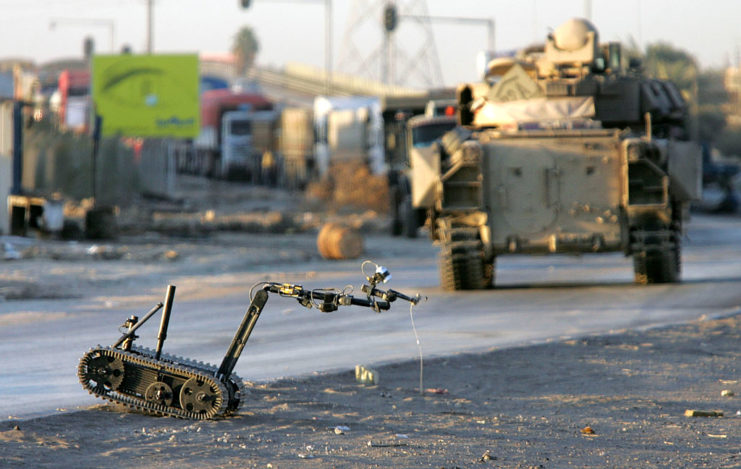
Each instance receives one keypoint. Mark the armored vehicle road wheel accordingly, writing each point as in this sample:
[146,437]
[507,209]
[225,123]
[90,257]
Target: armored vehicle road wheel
[657,266]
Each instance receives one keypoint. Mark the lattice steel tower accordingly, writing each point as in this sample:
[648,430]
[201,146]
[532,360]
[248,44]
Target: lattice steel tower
[391,41]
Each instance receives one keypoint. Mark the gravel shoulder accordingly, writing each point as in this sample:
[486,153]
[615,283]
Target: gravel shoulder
[606,401]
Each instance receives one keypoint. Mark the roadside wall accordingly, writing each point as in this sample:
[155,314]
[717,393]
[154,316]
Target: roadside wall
[5,181]
[6,162]
[62,163]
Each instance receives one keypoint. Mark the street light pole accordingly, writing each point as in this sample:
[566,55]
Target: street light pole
[488,22]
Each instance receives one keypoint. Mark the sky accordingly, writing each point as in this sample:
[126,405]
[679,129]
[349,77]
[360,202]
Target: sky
[294,30]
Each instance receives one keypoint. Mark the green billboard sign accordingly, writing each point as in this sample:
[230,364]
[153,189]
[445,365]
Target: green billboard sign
[147,95]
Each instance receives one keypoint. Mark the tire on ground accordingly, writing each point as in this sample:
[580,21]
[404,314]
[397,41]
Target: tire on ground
[408,216]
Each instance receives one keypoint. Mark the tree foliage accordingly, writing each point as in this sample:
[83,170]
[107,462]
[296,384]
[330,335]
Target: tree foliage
[703,90]
[665,62]
[245,48]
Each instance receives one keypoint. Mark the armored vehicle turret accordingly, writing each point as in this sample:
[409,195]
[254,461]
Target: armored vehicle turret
[561,149]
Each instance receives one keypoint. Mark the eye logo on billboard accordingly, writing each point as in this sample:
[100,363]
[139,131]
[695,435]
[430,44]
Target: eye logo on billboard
[148,95]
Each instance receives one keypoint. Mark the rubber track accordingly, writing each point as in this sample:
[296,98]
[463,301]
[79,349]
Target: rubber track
[235,403]
[191,369]
[461,266]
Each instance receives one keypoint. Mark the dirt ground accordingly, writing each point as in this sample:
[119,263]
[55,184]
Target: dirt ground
[609,401]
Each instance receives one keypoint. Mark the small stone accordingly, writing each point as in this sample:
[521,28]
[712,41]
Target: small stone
[727,393]
[587,430]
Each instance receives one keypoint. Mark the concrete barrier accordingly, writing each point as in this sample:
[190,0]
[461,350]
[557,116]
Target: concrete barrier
[157,167]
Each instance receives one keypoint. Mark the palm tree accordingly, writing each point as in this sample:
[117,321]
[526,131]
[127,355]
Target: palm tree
[245,48]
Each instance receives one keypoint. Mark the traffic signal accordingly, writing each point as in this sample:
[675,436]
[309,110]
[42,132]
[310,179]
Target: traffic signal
[88,47]
[390,18]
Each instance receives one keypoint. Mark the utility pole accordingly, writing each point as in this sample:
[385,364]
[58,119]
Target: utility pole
[150,8]
[328,47]
[378,24]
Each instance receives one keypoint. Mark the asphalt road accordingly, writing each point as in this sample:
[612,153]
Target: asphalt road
[537,299]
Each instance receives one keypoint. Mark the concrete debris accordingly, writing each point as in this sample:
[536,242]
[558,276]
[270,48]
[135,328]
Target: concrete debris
[703,413]
[487,456]
[588,430]
[366,376]
[341,429]
[436,391]
[386,444]
[10,253]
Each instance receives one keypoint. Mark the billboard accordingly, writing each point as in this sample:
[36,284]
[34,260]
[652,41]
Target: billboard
[147,95]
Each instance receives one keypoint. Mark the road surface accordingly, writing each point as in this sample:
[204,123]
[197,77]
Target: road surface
[537,299]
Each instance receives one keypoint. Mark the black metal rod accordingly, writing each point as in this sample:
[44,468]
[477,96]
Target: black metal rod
[138,325]
[97,124]
[162,335]
[242,335]
[17,174]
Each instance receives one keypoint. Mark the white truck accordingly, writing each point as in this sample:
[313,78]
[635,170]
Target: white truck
[348,129]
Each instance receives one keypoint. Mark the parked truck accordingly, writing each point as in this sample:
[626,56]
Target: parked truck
[397,112]
[560,150]
[348,130]
[421,131]
[74,100]
[297,147]
[224,146]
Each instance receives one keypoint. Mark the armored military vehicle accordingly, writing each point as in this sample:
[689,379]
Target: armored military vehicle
[561,149]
